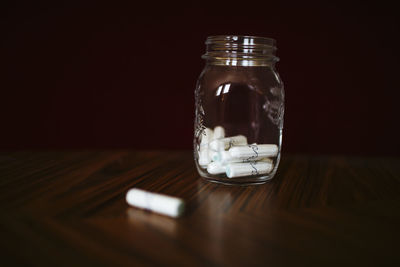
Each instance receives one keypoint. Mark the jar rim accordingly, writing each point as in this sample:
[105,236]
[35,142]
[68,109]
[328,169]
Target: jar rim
[241,40]
[240,50]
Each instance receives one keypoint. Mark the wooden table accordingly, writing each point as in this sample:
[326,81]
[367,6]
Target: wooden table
[68,208]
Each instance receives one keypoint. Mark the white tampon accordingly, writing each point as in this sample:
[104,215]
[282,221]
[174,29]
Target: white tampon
[204,152]
[206,136]
[215,168]
[214,156]
[219,132]
[248,169]
[224,157]
[204,156]
[253,152]
[226,143]
[170,206]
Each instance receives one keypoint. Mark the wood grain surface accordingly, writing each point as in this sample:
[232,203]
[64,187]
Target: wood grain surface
[67,208]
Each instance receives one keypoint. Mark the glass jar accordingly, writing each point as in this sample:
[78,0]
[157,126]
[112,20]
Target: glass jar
[239,100]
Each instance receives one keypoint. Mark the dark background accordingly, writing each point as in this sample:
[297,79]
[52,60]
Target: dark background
[122,75]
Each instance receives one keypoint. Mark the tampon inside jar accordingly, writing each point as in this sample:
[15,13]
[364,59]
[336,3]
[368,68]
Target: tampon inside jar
[239,111]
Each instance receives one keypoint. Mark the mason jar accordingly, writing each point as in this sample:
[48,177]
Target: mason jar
[239,110]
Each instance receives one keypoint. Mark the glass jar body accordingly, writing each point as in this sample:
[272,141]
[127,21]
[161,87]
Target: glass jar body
[238,123]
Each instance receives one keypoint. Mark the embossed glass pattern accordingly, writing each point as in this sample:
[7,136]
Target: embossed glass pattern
[239,110]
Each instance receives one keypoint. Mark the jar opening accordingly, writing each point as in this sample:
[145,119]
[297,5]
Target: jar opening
[237,50]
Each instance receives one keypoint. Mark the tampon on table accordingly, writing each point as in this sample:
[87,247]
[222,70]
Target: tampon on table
[170,206]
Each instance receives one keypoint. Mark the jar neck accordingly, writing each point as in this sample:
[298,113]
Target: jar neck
[231,50]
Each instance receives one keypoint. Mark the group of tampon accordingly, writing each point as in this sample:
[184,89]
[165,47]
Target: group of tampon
[233,156]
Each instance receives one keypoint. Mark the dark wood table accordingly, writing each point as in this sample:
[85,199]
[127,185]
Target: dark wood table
[68,208]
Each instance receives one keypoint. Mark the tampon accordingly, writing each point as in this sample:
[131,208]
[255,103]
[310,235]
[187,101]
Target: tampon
[214,155]
[253,152]
[228,142]
[204,152]
[215,168]
[170,206]
[248,169]
[217,156]
[206,136]
[204,156]
[224,157]
[219,132]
